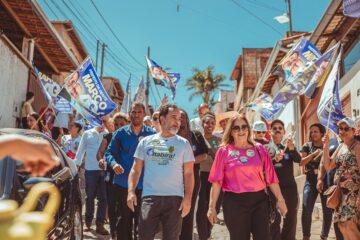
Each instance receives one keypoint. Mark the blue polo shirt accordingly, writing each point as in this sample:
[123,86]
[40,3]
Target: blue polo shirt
[121,150]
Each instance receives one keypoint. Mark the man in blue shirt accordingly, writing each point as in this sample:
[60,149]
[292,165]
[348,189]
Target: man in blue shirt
[120,156]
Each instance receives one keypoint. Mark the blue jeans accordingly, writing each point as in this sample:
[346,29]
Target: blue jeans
[309,197]
[95,187]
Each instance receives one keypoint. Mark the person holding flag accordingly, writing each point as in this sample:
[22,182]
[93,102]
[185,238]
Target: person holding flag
[346,162]
[283,158]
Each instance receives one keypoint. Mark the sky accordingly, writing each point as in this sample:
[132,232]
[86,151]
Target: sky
[181,34]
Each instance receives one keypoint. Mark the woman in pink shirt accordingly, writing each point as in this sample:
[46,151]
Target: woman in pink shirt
[238,170]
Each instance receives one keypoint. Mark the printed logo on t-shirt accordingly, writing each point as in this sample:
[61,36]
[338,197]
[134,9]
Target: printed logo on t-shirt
[161,154]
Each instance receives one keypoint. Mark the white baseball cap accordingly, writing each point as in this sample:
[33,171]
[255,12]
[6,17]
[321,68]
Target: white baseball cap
[259,126]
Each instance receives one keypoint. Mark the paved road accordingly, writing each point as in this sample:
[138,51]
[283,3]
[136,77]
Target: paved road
[220,232]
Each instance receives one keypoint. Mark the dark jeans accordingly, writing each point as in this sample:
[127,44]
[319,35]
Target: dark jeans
[309,197]
[160,209]
[288,230]
[188,221]
[95,188]
[202,223]
[127,222]
[246,213]
[112,208]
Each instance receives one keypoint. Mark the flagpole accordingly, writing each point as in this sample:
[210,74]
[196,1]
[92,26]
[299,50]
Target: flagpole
[147,85]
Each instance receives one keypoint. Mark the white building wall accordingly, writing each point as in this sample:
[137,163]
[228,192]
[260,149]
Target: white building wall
[13,84]
[350,83]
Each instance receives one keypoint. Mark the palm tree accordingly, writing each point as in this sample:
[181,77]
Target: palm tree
[205,83]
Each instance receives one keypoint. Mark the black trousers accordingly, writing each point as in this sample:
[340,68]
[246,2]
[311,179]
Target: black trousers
[160,209]
[246,213]
[188,221]
[288,230]
[112,208]
[202,223]
[127,221]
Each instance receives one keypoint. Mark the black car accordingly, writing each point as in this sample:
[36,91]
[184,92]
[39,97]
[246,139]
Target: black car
[16,182]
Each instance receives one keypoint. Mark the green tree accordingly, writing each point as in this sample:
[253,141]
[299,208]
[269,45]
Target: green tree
[204,83]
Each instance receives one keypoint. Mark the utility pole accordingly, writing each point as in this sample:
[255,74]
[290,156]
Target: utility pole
[97,54]
[102,60]
[289,15]
[147,86]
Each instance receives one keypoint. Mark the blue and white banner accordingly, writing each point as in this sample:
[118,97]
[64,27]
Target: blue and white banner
[302,55]
[319,71]
[264,105]
[84,90]
[352,8]
[329,110]
[126,104]
[140,93]
[51,90]
[163,78]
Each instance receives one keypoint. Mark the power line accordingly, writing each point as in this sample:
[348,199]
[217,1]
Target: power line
[255,16]
[116,37]
[264,5]
[102,34]
[126,71]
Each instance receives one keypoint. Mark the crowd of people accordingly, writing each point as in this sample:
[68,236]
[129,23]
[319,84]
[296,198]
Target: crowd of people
[167,173]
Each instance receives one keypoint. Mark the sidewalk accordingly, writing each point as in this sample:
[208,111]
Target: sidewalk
[220,231]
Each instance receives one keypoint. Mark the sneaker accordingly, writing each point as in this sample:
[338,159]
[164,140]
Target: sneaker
[100,229]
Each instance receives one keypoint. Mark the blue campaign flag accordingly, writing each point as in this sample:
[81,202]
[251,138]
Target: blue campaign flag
[329,110]
[319,72]
[301,56]
[85,92]
[51,90]
[352,8]
[264,105]
[126,104]
[163,78]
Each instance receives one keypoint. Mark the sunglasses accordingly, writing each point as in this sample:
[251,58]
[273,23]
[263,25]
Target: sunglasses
[238,128]
[277,129]
[345,129]
[258,132]
[155,119]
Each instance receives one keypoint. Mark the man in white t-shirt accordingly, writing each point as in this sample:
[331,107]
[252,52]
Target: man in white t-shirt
[167,160]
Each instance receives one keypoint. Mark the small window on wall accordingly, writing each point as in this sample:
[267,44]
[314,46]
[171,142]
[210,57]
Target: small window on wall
[352,57]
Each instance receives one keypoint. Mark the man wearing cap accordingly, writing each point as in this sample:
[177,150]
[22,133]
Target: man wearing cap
[283,156]
[195,124]
[259,128]
[346,161]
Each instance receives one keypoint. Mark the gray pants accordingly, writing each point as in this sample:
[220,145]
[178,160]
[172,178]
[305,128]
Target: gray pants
[160,209]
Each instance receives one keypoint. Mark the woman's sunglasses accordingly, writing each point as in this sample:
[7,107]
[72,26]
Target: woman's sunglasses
[238,128]
[259,132]
[345,129]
